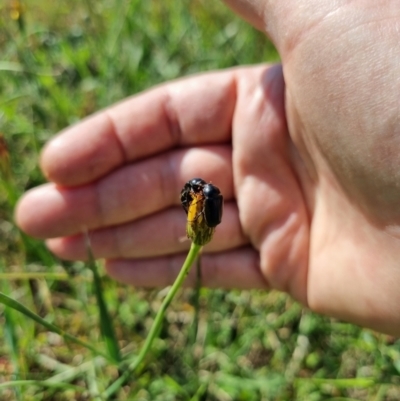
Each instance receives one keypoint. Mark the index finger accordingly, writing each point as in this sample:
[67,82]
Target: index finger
[196,110]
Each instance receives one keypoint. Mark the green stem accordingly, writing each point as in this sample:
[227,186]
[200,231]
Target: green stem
[193,252]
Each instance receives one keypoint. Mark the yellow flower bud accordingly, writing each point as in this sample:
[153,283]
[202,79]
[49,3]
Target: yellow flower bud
[203,204]
[196,226]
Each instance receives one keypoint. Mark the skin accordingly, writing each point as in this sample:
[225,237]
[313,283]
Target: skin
[306,155]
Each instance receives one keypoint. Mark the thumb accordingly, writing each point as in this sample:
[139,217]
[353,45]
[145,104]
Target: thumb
[284,22]
[250,10]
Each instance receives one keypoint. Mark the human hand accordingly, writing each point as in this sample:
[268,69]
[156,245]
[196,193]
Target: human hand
[313,213]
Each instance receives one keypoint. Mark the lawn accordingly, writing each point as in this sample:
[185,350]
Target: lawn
[61,61]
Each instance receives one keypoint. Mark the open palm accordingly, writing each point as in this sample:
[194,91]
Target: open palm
[308,168]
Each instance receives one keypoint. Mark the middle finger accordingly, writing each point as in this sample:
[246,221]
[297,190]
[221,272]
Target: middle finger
[127,194]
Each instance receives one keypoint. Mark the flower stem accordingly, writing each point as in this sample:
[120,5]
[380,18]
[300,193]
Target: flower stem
[114,387]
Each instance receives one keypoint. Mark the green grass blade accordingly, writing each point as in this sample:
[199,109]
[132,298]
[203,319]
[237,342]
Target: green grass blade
[106,326]
[9,276]
[11,338]
[357,382]
[12,303]
[42,383]
[12,341]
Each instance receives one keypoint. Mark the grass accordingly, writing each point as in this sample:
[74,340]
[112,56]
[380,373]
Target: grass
[60,61]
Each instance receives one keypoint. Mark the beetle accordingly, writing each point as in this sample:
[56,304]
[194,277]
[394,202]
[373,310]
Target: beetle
[213,205]
[192,187]
[197,190]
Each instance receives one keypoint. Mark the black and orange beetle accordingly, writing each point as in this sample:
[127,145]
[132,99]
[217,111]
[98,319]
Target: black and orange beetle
[209,199]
